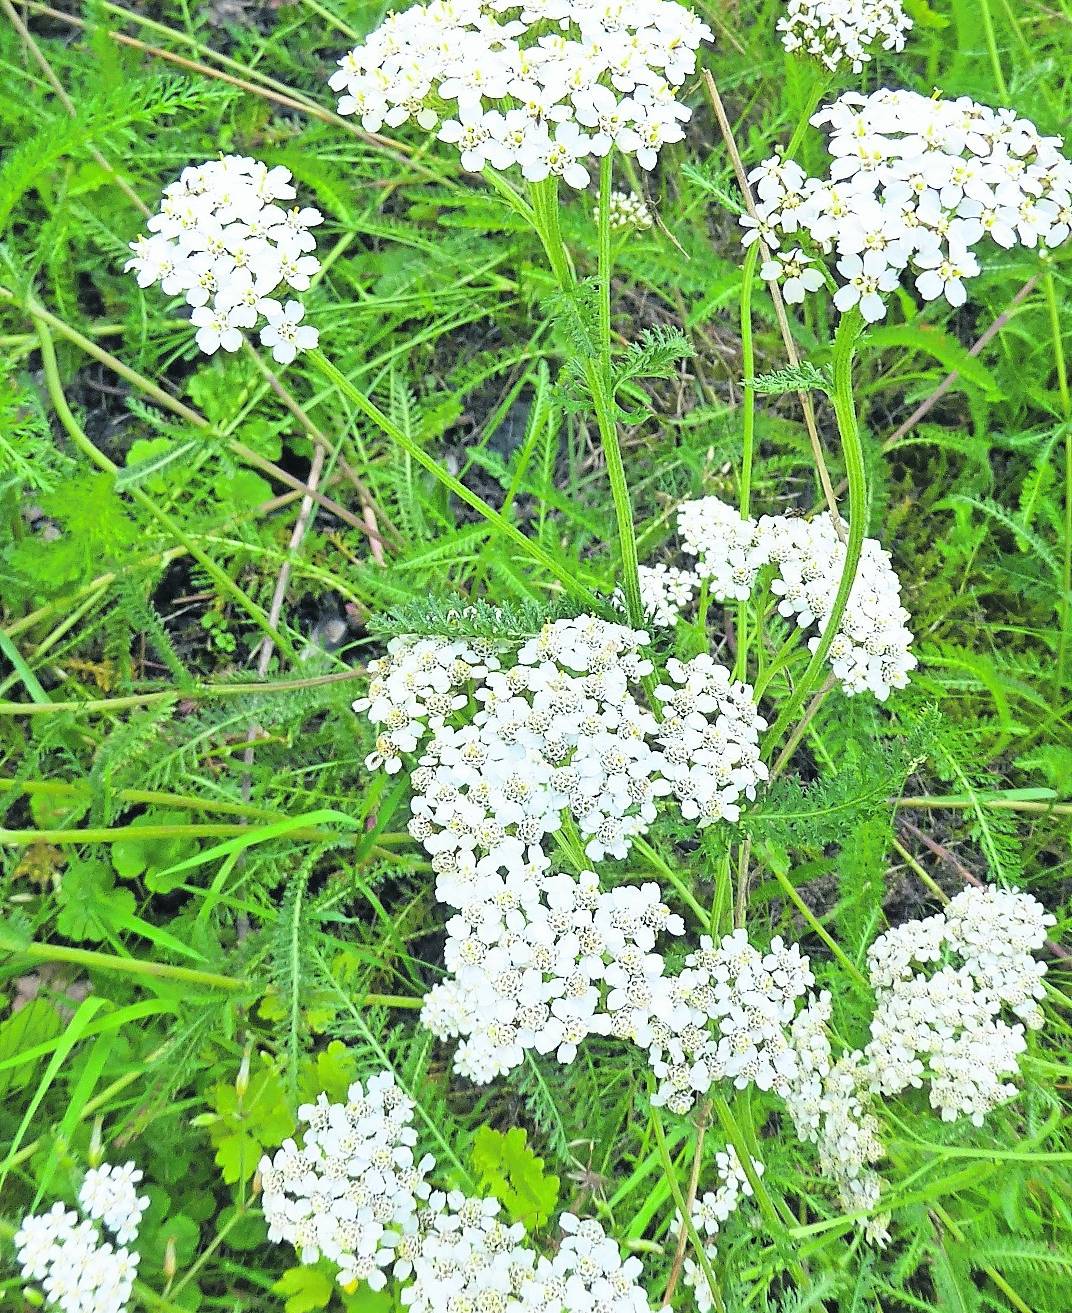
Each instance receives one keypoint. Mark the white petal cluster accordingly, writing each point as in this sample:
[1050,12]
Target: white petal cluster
[730,1009]
[627,210]
[541,962]
[415,687]
[709,735]
[838,32]
[77,1270]
[829,1103]
[352,1190]
[947,1027]
[557,734]
[872,649]
[915,185]
[109,1194]
[354,1194]
[470,1260]
[665,592]
[222,240]
[542,84]
[709,1212]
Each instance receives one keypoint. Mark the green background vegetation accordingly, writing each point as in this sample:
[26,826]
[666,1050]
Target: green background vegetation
[199,874]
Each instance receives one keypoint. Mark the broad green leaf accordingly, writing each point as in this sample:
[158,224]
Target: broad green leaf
[507,1166]
[306,1289]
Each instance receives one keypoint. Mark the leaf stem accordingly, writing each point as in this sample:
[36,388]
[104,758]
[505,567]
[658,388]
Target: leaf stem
[848,333]
[597,368]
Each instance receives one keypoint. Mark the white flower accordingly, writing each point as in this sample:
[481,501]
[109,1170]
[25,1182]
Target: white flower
[793,270]
[221,240]
[217,327]
[915,182]
[78,1271]
[840,32]
[866,278]
[522,80]
[871,650]
[284,331]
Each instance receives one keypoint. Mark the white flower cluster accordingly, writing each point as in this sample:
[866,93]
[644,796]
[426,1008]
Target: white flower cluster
[828,1102]
[77,1269]
[709,1212]
[840,32]
[541,962]
[915,184]
[355,1194]
[109,1194]
[872,649]
[557,733]
[944,1028]
[469,1260]
[627,210]
[222,240]
[543,84]
[352,1190]
[665,593]
[725,1016]
[947,1027]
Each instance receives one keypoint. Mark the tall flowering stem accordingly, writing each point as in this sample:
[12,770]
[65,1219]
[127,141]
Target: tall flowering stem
[597,370]
[845,340]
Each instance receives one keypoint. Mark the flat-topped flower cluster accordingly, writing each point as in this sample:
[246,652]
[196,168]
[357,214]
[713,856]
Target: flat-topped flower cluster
[354,1193]
[944,1028]
[222,240]
[77,1269]
[948,1028]
[915,185]
[871,651]
[838,32]
[542,84]
[527,743]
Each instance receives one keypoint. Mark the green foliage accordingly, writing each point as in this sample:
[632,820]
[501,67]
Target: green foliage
[213,912]
[505,1166]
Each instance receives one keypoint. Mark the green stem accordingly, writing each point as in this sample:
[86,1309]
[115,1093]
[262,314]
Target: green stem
[605,265]
[129,966]
[762,1195]
[372,412]
[748,436]
[684,1214]
[992,48]
[845,340]
[818,928]
[597,369]
[1066,411]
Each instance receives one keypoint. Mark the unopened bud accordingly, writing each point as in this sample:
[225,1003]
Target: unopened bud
[96,1144]
[171,1260]
[242,1079]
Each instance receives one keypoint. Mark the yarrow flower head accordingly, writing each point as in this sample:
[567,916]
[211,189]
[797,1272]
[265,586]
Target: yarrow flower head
[78,1270]
[351,1191]
[871,650]
[354,1194]
[943,1027]
[222,240]
[543,85]
[949,1027]
[915,185]
[838,32]
[627,211]
[519,744]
